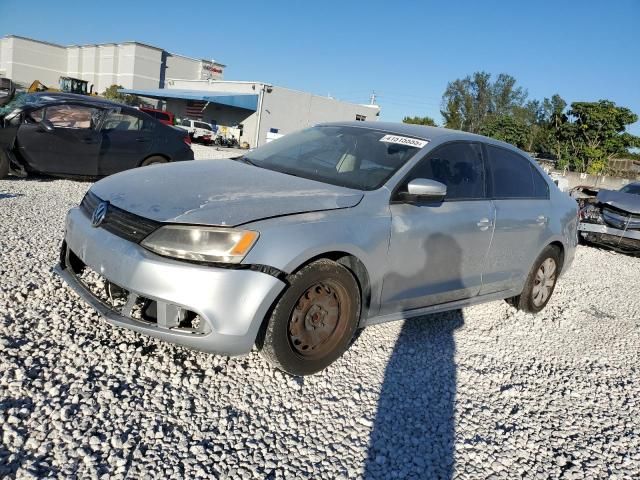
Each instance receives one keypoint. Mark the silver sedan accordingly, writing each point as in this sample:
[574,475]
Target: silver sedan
[296,245]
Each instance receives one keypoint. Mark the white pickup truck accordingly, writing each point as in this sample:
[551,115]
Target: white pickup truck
[198,131]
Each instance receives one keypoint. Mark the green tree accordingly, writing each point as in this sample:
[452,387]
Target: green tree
[596,133]
[428,121]
[470,102]
[508,129]
[114,95]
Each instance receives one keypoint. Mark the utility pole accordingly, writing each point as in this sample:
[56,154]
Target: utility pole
[372,99]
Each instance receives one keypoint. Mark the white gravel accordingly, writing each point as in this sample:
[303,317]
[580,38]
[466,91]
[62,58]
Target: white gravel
[482,393]
[211,152]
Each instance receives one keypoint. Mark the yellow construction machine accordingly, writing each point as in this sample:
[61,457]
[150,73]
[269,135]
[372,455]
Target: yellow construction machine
[66,84]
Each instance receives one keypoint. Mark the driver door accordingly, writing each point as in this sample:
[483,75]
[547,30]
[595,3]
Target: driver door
[72,147]
[438,250]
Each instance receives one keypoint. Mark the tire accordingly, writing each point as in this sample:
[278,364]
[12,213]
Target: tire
[541,281]
[4,165]
[313,322]
[153,160]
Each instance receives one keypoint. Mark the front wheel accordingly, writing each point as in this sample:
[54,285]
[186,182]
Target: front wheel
[541,281]
[314,321]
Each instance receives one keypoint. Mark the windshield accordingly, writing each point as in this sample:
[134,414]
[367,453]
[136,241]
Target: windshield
[351,157]
[633,188]
[21,99]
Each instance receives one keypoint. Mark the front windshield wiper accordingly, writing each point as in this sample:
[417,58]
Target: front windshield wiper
[244,159]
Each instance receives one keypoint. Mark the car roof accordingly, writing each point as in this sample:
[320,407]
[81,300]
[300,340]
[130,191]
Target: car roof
[43,98]
[433,134]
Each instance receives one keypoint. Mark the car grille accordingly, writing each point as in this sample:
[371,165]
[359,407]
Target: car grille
[120,222]
[621,220]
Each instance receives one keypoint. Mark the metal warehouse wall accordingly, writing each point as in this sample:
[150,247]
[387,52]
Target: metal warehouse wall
[130,64]
[290,110]
[26,60]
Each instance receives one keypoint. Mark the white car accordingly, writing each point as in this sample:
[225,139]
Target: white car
[198,131]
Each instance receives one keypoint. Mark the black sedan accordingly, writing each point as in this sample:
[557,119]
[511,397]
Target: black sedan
[80,136]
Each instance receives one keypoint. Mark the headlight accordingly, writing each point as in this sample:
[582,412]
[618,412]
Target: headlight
[201,244]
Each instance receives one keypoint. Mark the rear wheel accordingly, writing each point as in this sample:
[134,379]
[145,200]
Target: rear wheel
[541,281]
[153,160]
[314,320]
[4,165]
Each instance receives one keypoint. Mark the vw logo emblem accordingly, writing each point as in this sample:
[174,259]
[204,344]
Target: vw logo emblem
[99,214]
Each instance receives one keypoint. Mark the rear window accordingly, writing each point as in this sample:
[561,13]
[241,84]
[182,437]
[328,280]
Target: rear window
[204,126]
[513,176]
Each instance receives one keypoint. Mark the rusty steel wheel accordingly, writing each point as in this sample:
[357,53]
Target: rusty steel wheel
[316,326]
[313,322]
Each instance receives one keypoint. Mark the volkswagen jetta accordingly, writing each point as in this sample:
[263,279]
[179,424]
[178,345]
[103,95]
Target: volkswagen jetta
[296,245]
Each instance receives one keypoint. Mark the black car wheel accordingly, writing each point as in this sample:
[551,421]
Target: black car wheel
[153,160]
[541,281]
[314,321]
[4,165]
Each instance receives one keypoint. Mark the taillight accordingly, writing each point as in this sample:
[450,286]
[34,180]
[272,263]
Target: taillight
[187,140]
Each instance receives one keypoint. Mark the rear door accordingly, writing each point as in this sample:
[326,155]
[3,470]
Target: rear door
[127,139]
[71,148]
[521,199]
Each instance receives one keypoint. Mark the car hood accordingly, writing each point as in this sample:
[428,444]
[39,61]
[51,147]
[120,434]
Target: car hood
[218,193]
[623,201]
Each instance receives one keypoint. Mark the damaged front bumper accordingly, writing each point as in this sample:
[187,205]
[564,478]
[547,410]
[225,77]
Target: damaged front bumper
[217,310]
[622,240]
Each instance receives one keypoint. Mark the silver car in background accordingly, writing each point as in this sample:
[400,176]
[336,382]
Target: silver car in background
[296,245]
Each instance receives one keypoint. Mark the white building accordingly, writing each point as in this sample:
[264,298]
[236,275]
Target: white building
[186,86]
[262,110]
[130,64]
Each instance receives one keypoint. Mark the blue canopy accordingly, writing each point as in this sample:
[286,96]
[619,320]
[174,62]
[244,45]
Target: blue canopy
[247,101]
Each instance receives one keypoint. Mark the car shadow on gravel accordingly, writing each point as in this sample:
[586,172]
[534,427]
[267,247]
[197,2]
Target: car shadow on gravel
[413,434]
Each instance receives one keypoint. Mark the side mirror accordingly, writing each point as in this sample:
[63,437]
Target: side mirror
[46,126]
[425,189]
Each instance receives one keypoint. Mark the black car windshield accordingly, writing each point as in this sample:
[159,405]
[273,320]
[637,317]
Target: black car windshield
[22,99]
[353,157]
[633,188]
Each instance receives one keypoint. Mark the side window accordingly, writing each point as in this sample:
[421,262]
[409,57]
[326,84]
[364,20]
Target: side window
[540,186]
[186,123]
[459,166]
[512,175]
[126,122]
[71,116]
[37,115]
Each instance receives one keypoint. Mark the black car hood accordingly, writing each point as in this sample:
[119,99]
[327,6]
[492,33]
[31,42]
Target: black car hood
[623,201]
[218,193]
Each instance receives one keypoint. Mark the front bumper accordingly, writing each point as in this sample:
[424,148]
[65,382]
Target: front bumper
[232,302]
[622,240]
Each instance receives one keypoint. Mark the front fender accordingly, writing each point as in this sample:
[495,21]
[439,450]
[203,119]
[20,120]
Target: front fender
[289,242]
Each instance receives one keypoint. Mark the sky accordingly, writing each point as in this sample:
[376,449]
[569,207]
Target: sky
[405,51]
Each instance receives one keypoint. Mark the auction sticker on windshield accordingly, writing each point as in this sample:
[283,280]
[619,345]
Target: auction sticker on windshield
[411,142]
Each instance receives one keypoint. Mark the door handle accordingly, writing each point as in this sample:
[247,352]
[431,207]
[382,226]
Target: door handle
[142,139]
[541,220]
[484,224]
[89,140]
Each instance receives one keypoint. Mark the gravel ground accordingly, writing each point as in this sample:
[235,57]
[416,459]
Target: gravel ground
[485,392]
[210,152]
